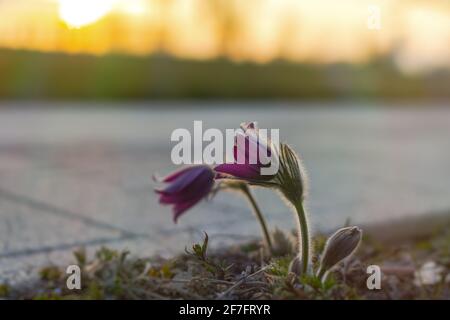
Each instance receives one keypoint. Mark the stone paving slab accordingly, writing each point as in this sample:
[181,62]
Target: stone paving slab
[82,177]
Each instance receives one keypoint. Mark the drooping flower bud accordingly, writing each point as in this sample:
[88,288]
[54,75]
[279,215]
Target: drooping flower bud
[338,247]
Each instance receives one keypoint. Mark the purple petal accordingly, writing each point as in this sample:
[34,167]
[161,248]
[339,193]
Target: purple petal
[181,208]
[252,125]
[252,145]
[186,187]
[200,186]
[243,171]
[183,179]
[174,175]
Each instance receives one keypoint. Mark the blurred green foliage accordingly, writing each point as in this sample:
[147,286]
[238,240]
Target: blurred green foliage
[34,75]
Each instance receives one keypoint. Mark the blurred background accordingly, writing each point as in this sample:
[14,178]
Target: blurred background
[143,49]
[91,90]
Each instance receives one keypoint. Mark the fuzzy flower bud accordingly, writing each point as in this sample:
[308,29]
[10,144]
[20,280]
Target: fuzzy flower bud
[338,247]
[296,266]
[290,178]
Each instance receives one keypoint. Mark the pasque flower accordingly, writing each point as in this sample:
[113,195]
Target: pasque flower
[289,179]
[252,152]
[186,187]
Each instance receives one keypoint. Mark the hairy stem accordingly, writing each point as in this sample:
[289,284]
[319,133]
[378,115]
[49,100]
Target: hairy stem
[303,235]
[262,222]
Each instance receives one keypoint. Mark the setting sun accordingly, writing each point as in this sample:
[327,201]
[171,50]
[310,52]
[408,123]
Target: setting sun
[78,13]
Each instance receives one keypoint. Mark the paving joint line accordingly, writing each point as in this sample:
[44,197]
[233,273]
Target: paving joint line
[60,212]
[61,247]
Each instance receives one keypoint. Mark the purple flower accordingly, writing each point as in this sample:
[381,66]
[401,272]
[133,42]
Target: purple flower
[249,150]
[186,187]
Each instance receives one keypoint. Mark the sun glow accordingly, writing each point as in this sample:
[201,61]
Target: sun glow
[79,13]
[414,33]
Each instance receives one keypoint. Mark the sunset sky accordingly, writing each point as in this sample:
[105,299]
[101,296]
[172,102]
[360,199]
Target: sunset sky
[417,33]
